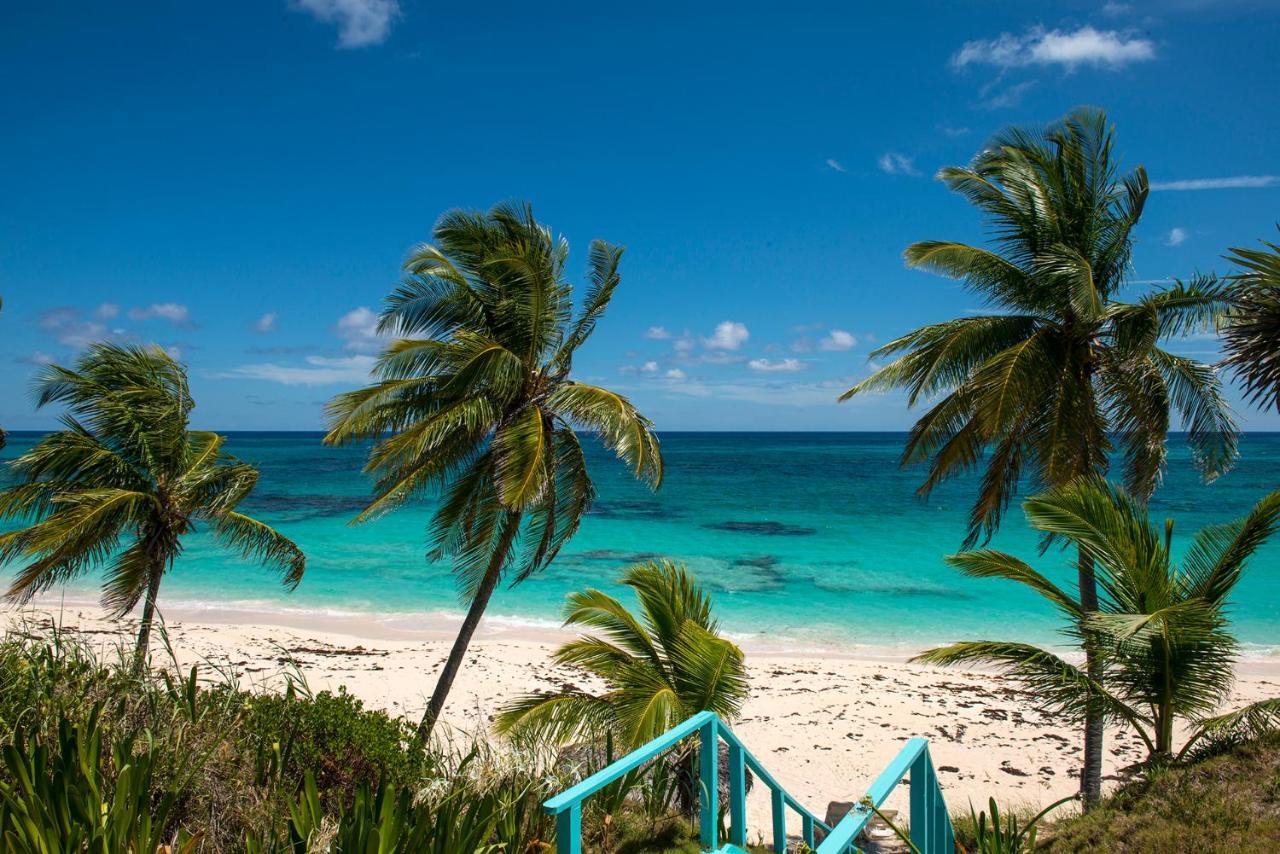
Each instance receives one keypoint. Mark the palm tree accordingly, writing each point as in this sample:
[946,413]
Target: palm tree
[1061,373]
[474,400]
[1165,647]
[1252,330]
[124,482]
[659,668]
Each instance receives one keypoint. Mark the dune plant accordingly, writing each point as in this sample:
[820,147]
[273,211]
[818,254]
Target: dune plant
[474,401]
[1165,646]
[124,482]
[1061,372]
[659,667]
[1251,334]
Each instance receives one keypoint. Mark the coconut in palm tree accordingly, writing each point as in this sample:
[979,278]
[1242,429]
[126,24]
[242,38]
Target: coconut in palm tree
[1061,374]
[475,405]
[124,482]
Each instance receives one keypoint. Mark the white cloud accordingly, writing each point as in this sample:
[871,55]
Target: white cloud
[955,132]
[319,370]
[729,335]
[781,365]
[1010,96]
[650,367]
[361,23]
[892,163]
[106,311]
[683,344]
[836,165]
[175,313]
[69,328]
[1176,236]
[1038,46]
[266,323]
[657,333]
[1235,182]
[39,357]
[838,340]
[359,328]
[675,374]
[1115,10]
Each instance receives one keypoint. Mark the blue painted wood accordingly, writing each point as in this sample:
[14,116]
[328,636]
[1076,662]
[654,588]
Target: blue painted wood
[709,783]
[634,759]
[930,823]
[737,795]
[779,804]
[569,830]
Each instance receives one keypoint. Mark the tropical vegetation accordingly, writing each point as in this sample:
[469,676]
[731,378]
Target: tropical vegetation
[659,667]
[1061,373]
[1166,652]
[475,400]
[1251,333]
[124,482]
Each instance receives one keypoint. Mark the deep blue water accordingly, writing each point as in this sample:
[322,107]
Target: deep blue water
[801,537]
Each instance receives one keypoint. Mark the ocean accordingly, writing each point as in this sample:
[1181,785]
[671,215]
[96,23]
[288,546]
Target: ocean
[804,539]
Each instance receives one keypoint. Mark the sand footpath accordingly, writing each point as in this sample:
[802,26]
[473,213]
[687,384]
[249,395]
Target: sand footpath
[824,723]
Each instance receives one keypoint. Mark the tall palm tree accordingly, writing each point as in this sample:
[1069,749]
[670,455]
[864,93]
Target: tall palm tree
[659,668]
[474,400]
[1061,373]
[1252,330]
[1166,650]
[124,482]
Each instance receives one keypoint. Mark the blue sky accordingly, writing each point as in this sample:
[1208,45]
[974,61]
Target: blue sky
[239,181]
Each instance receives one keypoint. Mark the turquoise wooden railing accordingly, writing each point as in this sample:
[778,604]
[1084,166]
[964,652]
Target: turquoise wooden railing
[930,826]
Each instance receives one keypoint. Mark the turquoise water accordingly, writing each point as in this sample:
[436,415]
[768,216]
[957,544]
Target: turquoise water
[802,537]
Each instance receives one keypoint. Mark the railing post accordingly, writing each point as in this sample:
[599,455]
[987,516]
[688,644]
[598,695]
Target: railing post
[779,821]
[569,830]
[921,801]
[709,784]
[737,795]
[807,830]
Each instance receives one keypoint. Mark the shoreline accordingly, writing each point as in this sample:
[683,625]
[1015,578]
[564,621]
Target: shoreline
[824,723]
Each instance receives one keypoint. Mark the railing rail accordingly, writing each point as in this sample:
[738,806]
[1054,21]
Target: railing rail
[931,830]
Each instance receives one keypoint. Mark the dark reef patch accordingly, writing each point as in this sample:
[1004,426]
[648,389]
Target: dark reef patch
[761,562]
[296,508]
[632,510]
[767,529]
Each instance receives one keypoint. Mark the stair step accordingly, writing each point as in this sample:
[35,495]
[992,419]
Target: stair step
[730,849]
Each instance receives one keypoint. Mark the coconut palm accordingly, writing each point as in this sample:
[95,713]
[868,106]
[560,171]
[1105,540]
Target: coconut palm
[474,400]
[124,481]
[1165,646]
[659,667]
[1251,333]
[1061,373]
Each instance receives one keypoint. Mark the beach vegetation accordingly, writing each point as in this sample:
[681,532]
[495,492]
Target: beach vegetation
[1251,333]
[474,401]
[124,482]
[658,666]
[1164,643]
[1058,374]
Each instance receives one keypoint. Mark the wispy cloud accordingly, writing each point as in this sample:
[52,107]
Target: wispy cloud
[359,329]
[996,97]
[106,311]
[675,374]
[729,335]
[1235,182]
[266,323]
[893,163]
[1176,236]
[781,365]
[955,132]
[1069,49]
[838,340]
[319,370]
[1115,10]
[69,328]
[657,333]
[174,312]
[360,23]
[836,165]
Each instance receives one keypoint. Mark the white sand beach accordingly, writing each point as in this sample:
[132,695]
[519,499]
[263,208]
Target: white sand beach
[823,723]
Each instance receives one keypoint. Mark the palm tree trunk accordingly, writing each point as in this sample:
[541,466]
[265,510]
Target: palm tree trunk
[469,624]
[1091,773]
[148,614]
